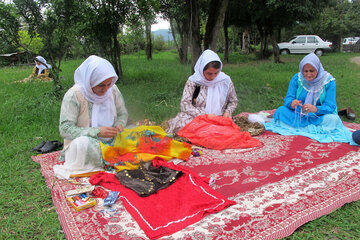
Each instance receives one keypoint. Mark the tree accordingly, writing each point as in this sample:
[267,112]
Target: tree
[10,26]
[184,18]
[272,15]
[195,42]
[238,18]
[133,39]
[226,38]
[51,20]
[339,19]
[101,22]
[174,10]
[159,43]
[215,22]
[33,43]
[147,11]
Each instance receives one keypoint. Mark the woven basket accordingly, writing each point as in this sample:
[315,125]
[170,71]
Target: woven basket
[254,129]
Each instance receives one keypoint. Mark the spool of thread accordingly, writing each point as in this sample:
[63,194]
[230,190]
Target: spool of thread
[196,153]
[356,137]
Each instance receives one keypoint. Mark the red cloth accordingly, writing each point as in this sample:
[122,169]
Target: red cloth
[217,133]
[169,210]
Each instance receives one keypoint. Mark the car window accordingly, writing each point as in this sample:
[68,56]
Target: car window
[300,40]
[312,40]
[292,38]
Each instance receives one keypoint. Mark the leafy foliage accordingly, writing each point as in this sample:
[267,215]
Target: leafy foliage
[337,20]
[9,26]
[34,44]
[51,20]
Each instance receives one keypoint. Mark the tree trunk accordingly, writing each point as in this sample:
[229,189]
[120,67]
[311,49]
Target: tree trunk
[275,48]
[216,15]
[255,41]
[262,42]
[193,15]
[266,44]
[148,41]
[226,36]
[184,39]
[245,42]
[185,46]
[336,42]
[115,55]
[278,37]
[341,44]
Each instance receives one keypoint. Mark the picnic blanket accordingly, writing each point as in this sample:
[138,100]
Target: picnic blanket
[277,187]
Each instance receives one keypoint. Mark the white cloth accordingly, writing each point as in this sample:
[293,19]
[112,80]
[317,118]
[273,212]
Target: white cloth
[43,64]
[78,158]
[93,71]
[314,87]
[217,88]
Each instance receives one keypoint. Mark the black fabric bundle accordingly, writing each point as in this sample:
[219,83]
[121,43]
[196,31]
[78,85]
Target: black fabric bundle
[148,179]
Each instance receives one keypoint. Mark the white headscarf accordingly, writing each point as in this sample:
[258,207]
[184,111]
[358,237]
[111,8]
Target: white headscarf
[43,64]
[217,88]
[93,71]
[314,87]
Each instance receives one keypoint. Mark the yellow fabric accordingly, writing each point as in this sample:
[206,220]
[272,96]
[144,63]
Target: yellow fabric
[142,144]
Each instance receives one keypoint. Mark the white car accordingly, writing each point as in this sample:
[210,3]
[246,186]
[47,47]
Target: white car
[350,40]
[305,44]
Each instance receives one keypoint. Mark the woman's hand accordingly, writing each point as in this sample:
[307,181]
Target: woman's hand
[309,108]
[227,115]
[119,127]
[108,132]
[295,103]
[211,115]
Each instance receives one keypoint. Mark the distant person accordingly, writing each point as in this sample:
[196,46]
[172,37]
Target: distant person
[207,91]
[93,110]
[41,70]
[310,106]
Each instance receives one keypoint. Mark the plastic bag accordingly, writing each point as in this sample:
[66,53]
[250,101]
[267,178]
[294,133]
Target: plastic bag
[217,133]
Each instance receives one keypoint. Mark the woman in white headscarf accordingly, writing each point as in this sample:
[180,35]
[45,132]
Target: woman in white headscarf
[207,91]
[310,106]
[41,69]
[93,110]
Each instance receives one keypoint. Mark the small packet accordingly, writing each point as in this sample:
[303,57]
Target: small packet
[111,198]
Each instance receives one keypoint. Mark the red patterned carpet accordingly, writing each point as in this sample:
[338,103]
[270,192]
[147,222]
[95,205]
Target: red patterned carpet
[277,187]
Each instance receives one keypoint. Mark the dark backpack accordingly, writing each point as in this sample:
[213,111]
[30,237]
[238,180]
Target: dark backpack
[195,94]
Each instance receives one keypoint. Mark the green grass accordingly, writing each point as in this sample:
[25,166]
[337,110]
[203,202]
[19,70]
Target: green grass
[152,89]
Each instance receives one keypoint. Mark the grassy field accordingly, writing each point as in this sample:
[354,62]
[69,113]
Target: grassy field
[29,113]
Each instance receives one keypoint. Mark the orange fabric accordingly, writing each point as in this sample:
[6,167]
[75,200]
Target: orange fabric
[142,144]
[88,174]
[217,133]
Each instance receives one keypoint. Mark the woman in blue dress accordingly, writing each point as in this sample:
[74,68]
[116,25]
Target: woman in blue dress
[310,106]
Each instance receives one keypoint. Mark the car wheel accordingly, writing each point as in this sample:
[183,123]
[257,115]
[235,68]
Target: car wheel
[284,52]
[319,52]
